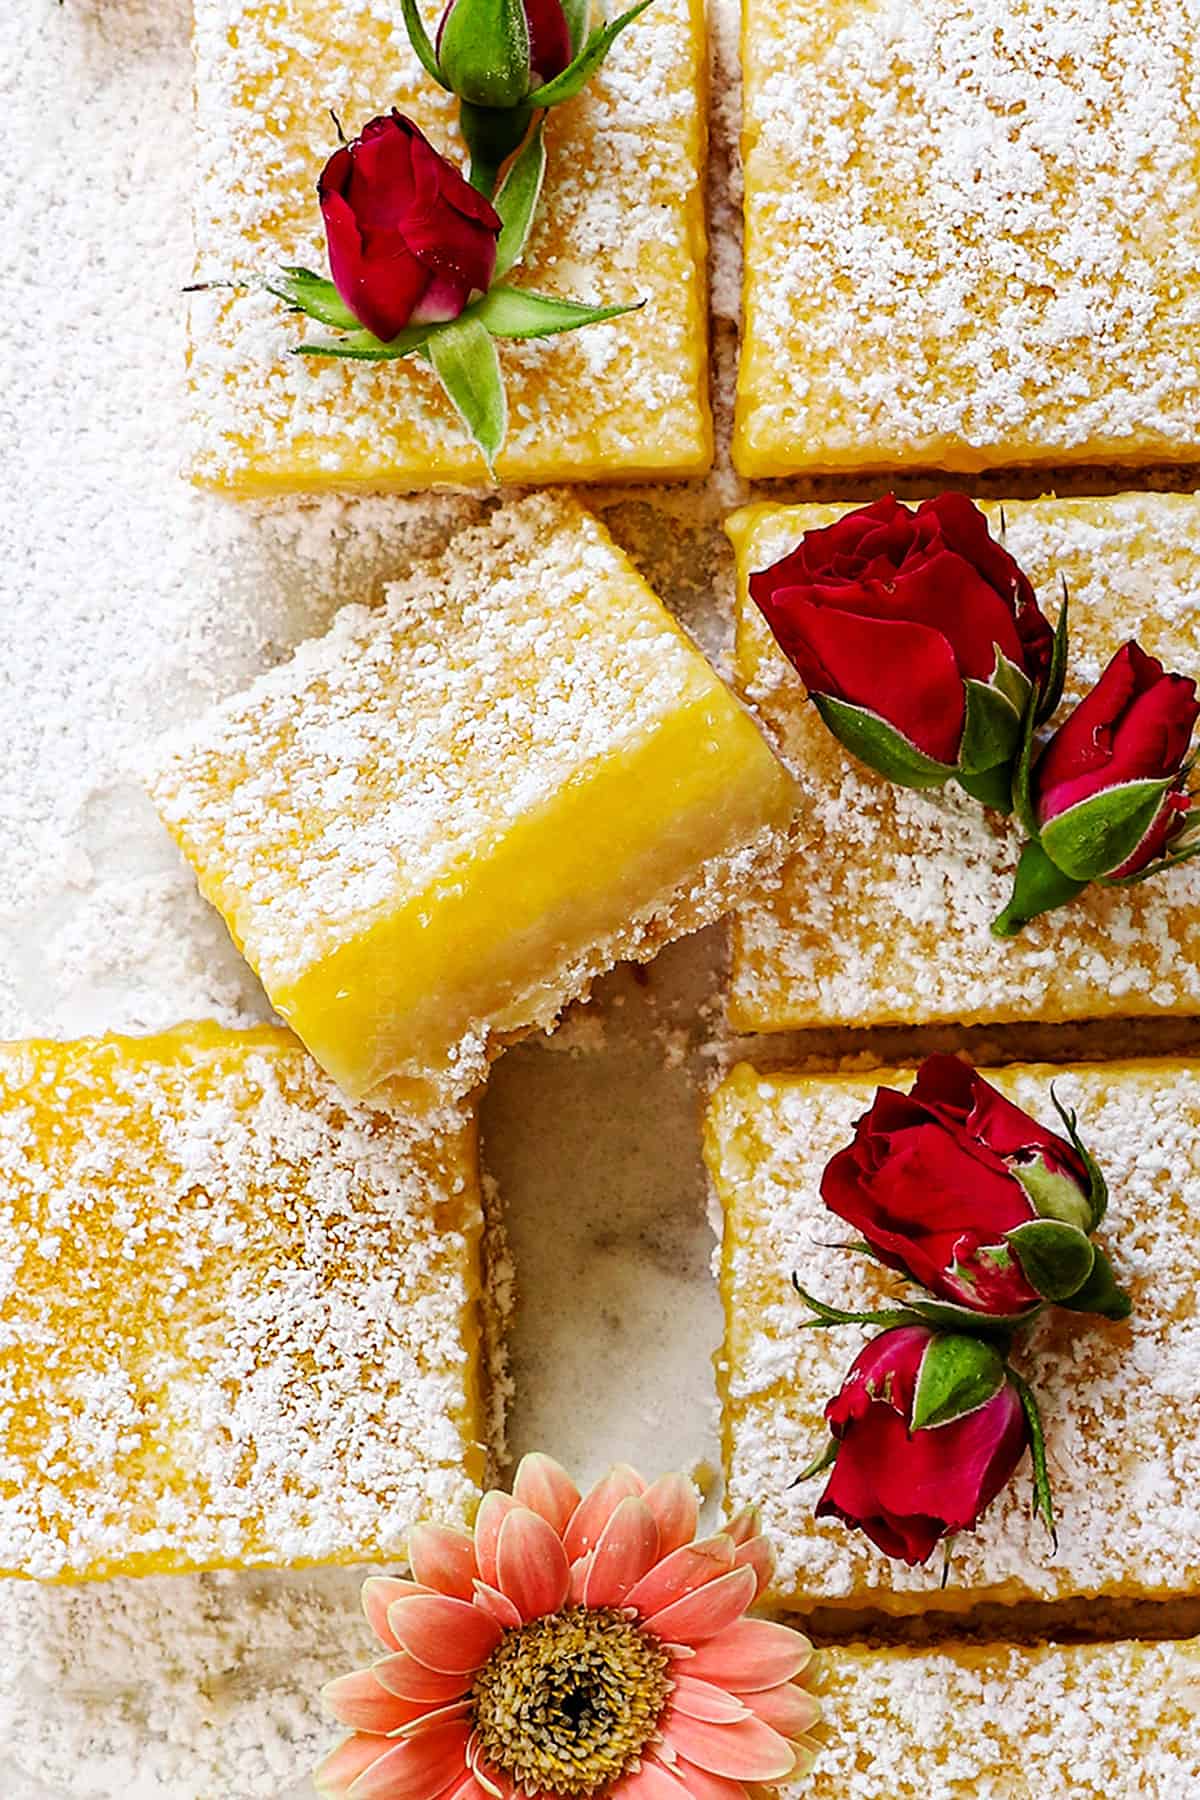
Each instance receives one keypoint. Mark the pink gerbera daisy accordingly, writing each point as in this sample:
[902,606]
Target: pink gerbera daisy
[579,1647]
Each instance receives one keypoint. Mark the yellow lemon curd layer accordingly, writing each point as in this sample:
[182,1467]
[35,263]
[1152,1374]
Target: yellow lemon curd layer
[433,828]
[621,221]
[1095,1721]
[972,234]
[884,911]
[1118,1401]
[241,1316]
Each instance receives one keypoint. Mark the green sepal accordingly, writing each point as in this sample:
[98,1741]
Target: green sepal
[1043,1499]
[577,74]
[1055,1195]
[1175,860]
[958,1375]
[1052,693]
[517,202]
[510,312]
[491,134]
[1096,836]
[947,1316]
[992,732]
[1098,1197]
[1101,1293]
[361,346]
[1022,778]
[991,787]
[874,742]
[827,1316]
[1038,887]
[576,14]
[418,37]
[464,356]
[824,1459]
[315,296]
[483,53]
[1056,1259]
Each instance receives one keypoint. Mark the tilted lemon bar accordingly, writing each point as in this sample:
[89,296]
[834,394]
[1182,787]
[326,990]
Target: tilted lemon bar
[242,1319]
[1093,1721]
[884,913]
[432,828]
[621,221]
[972,234]
[1118,1401]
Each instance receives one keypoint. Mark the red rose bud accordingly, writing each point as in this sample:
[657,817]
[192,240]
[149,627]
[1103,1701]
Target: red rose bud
[410,243]
[918,638]
[1108,796]
[960,1190]
[927,1429]
[498,55]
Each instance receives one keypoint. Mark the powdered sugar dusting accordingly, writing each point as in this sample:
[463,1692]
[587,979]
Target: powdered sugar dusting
[884,914]
[1118,1401]
[974,233]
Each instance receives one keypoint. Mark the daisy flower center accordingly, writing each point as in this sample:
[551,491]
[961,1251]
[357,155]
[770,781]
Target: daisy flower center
[566,1704]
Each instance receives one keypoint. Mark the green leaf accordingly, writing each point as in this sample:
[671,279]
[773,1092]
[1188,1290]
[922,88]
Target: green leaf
[1100,1293]
[1039,887]
[484,52]
[464,356]
[992,732]
[315,296]
[418,37]
[1098,835]
[1055,1195]
[510,312]
[1043,1500]
[576,75]
[824,1459]
[1056,1258]
[1098,1198]
[1051,694]
[958,1375]
[874,742]
[517,202]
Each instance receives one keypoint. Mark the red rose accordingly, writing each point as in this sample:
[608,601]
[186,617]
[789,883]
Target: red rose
[549,52]
[908,1486]
[410,243]
[936,1179]
[890,612]
[1132,733]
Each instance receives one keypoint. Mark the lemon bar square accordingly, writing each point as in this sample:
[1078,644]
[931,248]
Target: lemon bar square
[1118,1401]
[884,913]
[242,1318]
[621,221]
[433,828]
[1096,1721]
[972,234]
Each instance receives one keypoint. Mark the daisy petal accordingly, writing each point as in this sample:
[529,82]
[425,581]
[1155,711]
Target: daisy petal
[789,1710]
[757,1554]
[443,1560]
[440,1715]
[362,1702]
[744,1525]
[409,1679]
[378,1593]
[700,1700]
[545,1487]
[697,1616]
[498,1604]
[581,1568]
[334,1777]
[650,1782]
[626,1549]
[531,1564]
[672,1499]
[751,1655]
[685,1570]
[416,1767]
[466,1790]
[448,1636]
[597,1508]
[747,1751]
[700,1785]
[494,1508]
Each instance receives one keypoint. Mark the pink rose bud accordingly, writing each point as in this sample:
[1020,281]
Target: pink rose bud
[927,1429]
[918,638]
[410,243]
[497,56]
[1108,791]
[971,1198]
